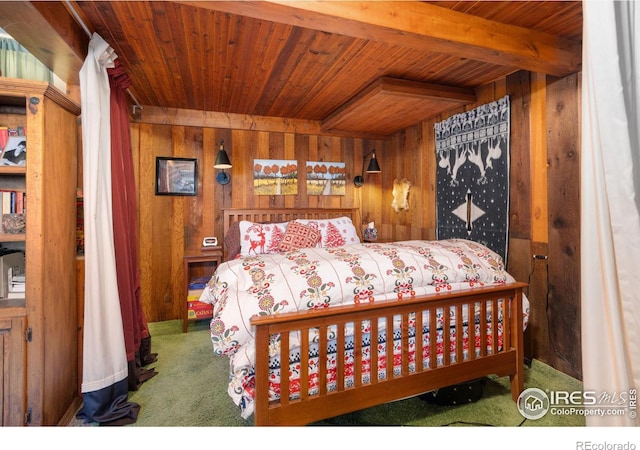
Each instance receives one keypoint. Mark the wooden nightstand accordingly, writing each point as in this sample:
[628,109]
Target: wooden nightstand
[203,264]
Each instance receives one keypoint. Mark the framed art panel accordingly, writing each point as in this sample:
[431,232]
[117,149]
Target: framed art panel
[176,176]
[275,177]
[325,178]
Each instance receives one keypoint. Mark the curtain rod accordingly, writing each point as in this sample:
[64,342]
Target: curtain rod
[86,30]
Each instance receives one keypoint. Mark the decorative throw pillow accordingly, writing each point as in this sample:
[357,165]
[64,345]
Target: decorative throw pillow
[232,241]
[299,236]
[260,238]
[335,232]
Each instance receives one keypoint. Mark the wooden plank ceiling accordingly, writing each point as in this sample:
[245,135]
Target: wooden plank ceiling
[357,68]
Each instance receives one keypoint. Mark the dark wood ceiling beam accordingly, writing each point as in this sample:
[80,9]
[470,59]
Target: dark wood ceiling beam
[422,26]
[50,33]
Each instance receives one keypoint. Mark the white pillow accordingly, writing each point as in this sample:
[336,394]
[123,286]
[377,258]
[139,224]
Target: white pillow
[260,238]
[334,232]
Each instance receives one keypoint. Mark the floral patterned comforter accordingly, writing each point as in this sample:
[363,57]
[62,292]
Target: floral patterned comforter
[322,277]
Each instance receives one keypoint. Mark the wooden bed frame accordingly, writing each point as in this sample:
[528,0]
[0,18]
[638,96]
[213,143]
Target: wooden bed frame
[504,360]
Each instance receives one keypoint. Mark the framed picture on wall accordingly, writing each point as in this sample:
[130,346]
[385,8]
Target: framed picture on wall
[275,177]
[176,176]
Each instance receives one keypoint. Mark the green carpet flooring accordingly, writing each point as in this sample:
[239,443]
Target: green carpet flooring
[190,390]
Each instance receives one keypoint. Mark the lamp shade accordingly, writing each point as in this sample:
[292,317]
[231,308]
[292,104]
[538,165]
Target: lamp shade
[373,165]
[222,160]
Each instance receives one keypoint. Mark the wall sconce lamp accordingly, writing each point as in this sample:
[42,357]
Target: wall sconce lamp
[222,162]
[373,167]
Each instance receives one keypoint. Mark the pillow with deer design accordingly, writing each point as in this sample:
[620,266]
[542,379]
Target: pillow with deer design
[260,238]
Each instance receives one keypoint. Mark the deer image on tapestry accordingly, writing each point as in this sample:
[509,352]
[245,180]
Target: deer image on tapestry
[401,194]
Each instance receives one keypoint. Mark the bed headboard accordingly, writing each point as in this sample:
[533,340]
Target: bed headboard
[232,215]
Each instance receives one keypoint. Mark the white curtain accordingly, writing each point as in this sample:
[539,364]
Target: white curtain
[104,356]
[610,202]
[17,62]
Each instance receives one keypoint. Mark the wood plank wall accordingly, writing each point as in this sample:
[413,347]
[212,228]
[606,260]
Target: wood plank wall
[171,227]
[562,306]
[544,116]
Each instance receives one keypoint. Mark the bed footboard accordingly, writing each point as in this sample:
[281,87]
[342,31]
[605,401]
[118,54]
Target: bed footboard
[414,369]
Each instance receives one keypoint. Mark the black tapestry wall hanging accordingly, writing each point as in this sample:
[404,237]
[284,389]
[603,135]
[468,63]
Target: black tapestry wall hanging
[472,192]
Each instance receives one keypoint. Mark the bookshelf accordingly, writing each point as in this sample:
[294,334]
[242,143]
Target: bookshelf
[39,390]
[198,266]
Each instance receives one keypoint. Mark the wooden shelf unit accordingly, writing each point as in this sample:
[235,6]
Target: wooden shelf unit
[207,260]
[39,334]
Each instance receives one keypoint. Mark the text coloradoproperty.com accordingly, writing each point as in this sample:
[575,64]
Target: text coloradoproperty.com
[568,411]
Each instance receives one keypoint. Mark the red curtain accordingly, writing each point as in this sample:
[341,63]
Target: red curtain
[136,331]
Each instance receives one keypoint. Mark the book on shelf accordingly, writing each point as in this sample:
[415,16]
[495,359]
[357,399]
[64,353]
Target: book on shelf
[194,295]
[199,310]
[12,270]
[13,202]
[17,287]
[17,131]
[12,211]
[16,279]
[199,282]
[19,202]
[6,202]
[4,137]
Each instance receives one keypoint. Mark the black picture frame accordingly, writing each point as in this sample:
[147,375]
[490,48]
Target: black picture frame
[176,176]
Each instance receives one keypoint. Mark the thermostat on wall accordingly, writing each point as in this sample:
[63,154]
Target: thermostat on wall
[210,242]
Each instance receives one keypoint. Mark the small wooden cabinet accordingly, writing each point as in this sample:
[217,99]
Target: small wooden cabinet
[12,365]
[38,333]
[198,265]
